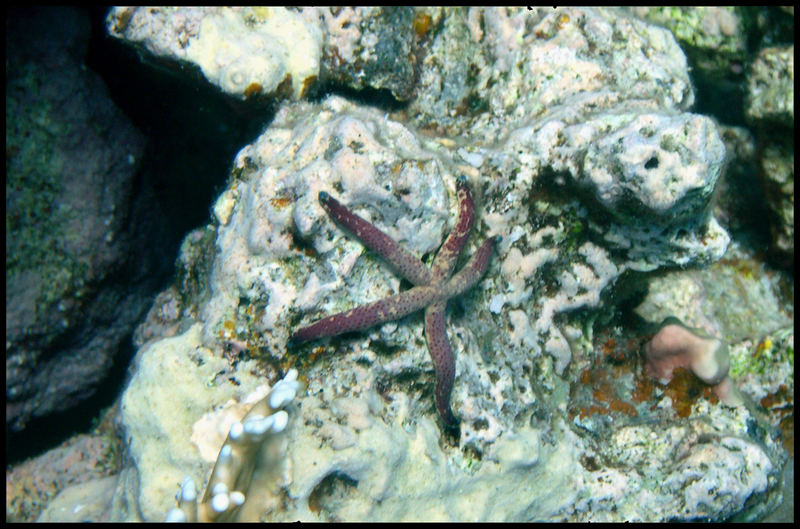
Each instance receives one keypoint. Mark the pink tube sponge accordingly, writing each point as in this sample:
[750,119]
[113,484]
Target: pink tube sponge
[676,345]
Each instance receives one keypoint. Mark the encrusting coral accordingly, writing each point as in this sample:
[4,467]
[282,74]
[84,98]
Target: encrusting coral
[230,479]
[676,345]
[433,287]
[575,124]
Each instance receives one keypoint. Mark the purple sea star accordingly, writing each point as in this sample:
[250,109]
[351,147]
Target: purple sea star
[432,287]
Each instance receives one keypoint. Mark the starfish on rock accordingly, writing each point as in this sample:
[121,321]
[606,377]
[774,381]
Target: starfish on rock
[432,287]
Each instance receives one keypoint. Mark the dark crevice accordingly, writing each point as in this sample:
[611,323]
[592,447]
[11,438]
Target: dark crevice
[193,134]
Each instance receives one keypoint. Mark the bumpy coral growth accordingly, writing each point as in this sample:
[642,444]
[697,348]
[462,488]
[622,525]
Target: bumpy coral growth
[230,479]
[676,345]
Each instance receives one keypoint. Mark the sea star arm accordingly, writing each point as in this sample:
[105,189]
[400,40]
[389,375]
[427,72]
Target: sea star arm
[443,361]
[431,292]
[472,272]
[407,264]
[435,330]
[445,260]
[399,305]
[366,316]
[436,334]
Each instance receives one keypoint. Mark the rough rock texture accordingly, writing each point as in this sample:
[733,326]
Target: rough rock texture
[243,51]
[771,86]
[661,167]
[490,72]
[380,48]
[771,110]
[73,292]
[741,304]
[712,37]
[572,129]
[30,485]
[740,301]
[283,52]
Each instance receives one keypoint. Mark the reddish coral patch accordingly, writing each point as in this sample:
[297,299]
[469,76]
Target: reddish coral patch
[780,406]
[422,23]
[604,396]
[685,389]
[252,89]
[280,202]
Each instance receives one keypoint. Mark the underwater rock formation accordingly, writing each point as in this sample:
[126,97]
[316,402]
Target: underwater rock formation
[75,288]
[568,124]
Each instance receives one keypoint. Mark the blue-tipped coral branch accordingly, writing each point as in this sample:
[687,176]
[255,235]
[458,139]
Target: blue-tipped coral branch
[433,287]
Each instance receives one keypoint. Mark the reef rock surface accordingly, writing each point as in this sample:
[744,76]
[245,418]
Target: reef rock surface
[572,128]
